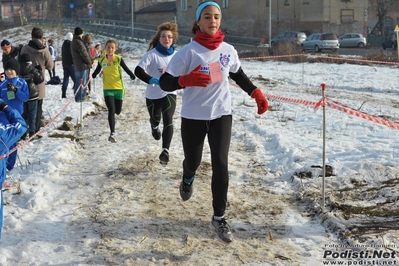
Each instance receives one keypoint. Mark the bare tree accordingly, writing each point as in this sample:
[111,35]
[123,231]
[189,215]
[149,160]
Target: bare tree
[381,7]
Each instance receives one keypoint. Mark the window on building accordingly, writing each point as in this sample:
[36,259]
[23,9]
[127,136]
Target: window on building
[183,5]
[37,7]
[268,3]
[347,15]
[11,8]
[287,2]
[225,3]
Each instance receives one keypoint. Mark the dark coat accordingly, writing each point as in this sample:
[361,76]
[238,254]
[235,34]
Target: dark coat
[66,53]
[13,54]
[33,76]
[39,55]
[80,56]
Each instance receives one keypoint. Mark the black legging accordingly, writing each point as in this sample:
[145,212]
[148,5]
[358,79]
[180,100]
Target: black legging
[193,134]
[164,107]
[114,107]
[39,115]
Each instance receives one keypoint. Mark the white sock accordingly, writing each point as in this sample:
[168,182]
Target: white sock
[218,218]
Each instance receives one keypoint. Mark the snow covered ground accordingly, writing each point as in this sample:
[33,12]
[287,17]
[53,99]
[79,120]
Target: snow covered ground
[77,199]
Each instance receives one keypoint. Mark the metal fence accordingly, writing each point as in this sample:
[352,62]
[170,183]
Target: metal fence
[123,30]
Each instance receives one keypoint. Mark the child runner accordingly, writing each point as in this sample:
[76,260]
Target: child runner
[160,104]
[114,89]
[202,68]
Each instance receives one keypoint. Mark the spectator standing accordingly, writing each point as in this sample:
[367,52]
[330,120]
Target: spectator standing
[160,104]
[14,92]
[53,53]
[203,68]
[41,56]
[33,76]
[9,51]
[12,126]
[82,63]
[67,63]
[88,40]
[114,89]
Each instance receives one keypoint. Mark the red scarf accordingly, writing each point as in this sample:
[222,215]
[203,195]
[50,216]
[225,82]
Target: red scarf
[208,41]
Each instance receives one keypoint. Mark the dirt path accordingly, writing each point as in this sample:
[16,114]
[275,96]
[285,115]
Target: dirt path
[132,214]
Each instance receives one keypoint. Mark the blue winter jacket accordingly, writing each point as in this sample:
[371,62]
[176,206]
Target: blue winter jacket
[12,127]
[15,100]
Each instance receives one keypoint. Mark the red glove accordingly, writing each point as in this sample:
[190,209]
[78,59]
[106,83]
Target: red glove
[261,101]
[195,78]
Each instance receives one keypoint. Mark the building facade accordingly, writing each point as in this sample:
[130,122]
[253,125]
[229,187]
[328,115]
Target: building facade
[251,18]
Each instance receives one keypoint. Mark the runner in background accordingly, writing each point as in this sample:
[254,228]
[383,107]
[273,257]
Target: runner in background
[113,86]
[160,104]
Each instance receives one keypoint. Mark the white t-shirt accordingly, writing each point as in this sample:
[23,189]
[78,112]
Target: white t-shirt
[154,64]
[213,101]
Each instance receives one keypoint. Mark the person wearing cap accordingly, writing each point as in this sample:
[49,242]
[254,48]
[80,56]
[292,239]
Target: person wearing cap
[9,51]
[202,69]
[82,63]
[67,63]
[14,92]
[39,55]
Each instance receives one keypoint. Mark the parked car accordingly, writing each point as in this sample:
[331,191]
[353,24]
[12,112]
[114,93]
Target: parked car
[288,36]
[321,41]
[352,40]
[390,41]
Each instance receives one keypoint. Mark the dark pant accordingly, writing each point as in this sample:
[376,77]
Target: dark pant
[29,114]
[114,107]
[164,107]
[39,114]
[193,134]
[12,158]
[69,71]
[52,71]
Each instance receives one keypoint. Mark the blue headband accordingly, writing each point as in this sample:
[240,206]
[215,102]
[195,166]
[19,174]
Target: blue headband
[202,6]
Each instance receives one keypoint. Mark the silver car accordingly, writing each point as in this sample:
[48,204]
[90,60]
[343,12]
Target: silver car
[296,37]
[321,41]
[352,40]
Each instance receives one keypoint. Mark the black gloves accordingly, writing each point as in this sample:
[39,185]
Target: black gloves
[11,87]
[2,105]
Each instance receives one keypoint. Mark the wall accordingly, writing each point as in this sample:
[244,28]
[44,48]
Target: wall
[251,18]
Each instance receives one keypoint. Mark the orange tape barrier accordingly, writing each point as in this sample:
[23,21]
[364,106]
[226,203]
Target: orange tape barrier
[336,105]
[349,110]
[20,144]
